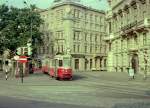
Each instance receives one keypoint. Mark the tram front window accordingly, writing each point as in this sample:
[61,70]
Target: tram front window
[67,63]
[60,63]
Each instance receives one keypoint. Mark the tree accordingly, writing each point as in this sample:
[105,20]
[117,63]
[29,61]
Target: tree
[15,27]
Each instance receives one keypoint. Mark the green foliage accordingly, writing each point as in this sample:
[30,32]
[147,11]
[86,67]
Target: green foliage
[15,27]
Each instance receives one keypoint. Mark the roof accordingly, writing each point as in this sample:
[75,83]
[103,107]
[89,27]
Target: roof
[70,2]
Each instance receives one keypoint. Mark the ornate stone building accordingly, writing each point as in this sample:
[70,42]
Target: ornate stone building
[70,26]
[128,40]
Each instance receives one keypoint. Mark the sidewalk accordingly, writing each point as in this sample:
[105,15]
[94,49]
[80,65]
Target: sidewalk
[119,76]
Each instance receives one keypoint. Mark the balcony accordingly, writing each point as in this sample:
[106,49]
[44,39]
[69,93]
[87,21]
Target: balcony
[136,26]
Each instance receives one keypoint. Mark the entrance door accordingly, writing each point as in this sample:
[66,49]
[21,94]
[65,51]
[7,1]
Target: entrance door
[76,64]
[135,62]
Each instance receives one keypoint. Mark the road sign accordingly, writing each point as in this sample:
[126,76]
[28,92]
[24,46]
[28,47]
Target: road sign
[22,59]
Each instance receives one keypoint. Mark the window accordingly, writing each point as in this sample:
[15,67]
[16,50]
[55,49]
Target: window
[74,48]
[74,36]
[66,62]
[143,1]
[110,46]
[109,27]
[91,37]
[90,49]
[96,38]
[60,63]
[76,64]
[85,16]
[96,18]
[91,17]
[52,49]
[47,49]
[121,44]
[115,16]
[85,49]
[134,5]
[95,48]
[120,13]
[126,9]
[144,39]
[105,63]
[78,48]
[62,48]
[90,63]
[85,36]
[58,48]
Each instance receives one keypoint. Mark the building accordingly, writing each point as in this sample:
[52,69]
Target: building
[128,40]
[70,26]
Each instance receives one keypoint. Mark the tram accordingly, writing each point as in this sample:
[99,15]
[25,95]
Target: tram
[59,67]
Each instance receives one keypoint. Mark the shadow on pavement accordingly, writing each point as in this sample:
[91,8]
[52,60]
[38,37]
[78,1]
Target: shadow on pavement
[78,77]
[132,105]
[147,93]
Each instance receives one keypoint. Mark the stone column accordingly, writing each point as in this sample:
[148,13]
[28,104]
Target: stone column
[110,63]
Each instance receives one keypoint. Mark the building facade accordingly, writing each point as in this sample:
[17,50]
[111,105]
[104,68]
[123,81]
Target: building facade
[70,26]
[128,40]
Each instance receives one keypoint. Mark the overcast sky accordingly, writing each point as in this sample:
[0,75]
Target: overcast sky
[97,4]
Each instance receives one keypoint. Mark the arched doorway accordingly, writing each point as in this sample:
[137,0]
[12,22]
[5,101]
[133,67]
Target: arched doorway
[135,62]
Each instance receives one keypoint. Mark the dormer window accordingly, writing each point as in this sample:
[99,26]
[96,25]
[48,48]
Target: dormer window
[143,1]
[114,15]
[120,13]
[126,9]
[134,4]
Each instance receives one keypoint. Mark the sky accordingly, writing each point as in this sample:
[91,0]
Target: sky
[43,4]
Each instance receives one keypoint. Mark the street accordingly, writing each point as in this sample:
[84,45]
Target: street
[86,90]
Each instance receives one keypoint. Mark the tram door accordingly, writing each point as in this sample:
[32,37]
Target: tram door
[58,63]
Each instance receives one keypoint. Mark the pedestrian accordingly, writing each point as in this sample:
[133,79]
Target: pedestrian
[145,65]
[131,73]
[145,71]
[6,70]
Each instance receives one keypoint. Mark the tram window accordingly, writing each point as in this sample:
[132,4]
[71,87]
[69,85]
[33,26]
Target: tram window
[60,63]
[67,62]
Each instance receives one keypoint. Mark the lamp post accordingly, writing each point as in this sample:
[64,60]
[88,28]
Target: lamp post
[31,24]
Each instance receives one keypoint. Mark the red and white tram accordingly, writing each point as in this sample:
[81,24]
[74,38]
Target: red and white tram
[59,67]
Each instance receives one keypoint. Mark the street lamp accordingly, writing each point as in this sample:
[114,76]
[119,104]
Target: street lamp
[31,25]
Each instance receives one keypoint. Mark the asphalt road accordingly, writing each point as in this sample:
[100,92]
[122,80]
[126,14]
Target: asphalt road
[86,90]
[9,102]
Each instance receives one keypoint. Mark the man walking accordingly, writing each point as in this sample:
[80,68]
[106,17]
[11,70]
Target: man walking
[145,64]
[6,70]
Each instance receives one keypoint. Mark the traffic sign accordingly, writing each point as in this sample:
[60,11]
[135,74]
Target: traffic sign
[22,59]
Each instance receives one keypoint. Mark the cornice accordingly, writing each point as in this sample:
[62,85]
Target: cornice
[76,4]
